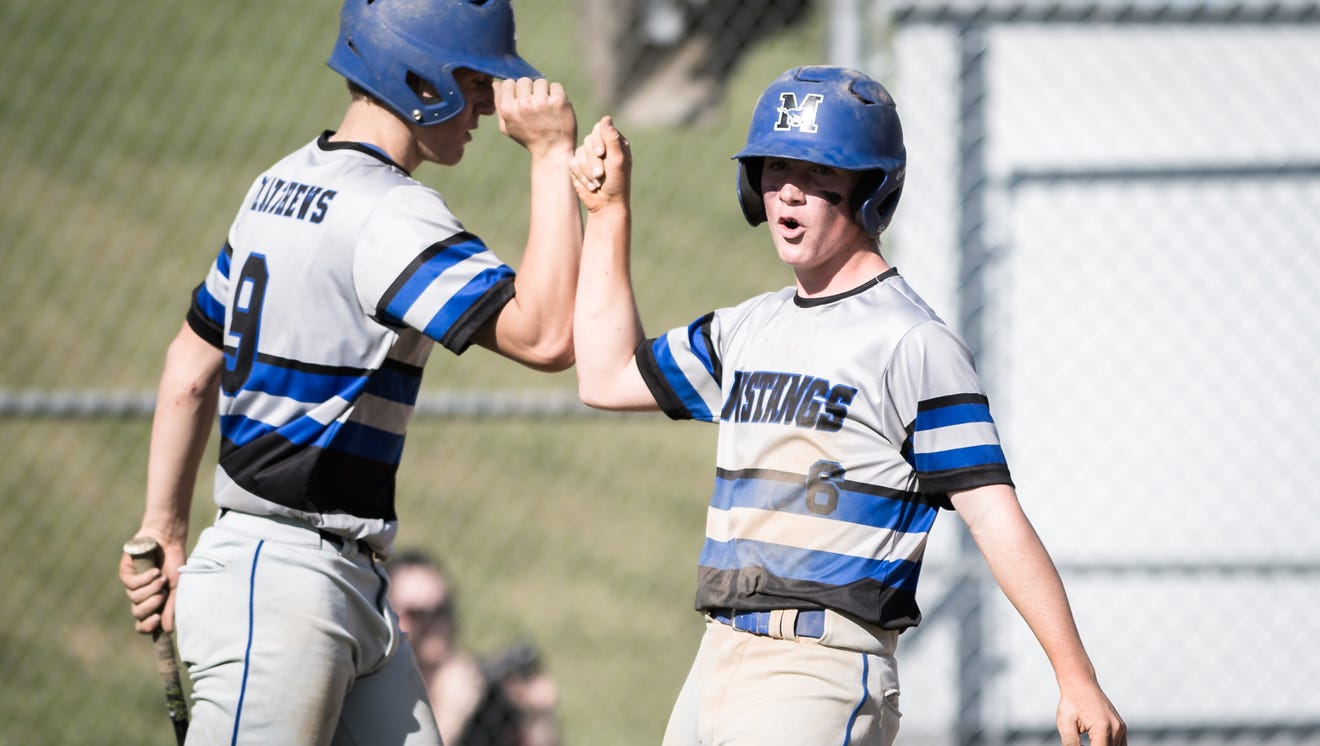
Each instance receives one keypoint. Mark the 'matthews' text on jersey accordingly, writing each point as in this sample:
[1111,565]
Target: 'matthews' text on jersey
[291,199]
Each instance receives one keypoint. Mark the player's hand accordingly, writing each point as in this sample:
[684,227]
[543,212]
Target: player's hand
[1087,710]
[150,594]
[536,114]
[601,168]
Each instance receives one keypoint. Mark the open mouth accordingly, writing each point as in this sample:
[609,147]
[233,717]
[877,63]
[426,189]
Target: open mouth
[790,223]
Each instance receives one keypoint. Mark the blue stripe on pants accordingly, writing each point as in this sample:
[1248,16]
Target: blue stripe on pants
[847,735]
[247,652]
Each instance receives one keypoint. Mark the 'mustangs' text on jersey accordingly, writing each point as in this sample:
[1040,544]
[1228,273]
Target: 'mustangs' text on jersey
[845,422]
[788,398]
[339,274]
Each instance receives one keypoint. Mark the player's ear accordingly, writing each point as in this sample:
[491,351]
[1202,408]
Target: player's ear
[423,88]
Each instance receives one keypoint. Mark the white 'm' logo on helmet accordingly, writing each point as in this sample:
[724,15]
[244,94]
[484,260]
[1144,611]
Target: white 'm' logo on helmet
[801,117]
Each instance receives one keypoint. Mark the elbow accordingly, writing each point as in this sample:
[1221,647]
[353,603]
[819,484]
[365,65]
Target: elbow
[192,371]
[588,397]
[557,364]
[547,351]
[551,357]
[596,395]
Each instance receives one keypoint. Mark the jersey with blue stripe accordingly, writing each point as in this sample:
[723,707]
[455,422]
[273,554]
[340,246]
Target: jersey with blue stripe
[339,275]
[844,424]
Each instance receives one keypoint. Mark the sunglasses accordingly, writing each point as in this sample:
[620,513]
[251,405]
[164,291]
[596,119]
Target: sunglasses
[442,610]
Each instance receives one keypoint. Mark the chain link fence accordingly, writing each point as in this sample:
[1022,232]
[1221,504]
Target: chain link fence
[1117,204]
[1134,257]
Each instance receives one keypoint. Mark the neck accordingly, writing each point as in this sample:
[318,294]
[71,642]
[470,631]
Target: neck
[367,122]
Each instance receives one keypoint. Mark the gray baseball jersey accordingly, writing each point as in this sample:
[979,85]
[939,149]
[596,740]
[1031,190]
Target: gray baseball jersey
[339,273]
[845,422]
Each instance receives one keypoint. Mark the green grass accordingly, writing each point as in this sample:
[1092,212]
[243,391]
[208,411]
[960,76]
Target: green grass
[128,132]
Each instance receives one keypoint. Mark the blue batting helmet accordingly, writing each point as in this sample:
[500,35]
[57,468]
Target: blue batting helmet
[835,117]
[387,46]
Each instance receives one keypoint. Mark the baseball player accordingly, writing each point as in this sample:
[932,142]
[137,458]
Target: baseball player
[309,336]
[849,414]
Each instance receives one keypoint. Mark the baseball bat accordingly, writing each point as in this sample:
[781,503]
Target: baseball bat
[146,554]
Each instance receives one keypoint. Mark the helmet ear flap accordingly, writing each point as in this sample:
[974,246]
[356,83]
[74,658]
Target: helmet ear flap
[435,100]
[749,190]
[875,199]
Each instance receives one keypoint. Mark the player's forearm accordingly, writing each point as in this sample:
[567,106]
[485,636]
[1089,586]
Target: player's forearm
[547,276]
[607,325]
[185,413]
[1025,572]
[1032,584]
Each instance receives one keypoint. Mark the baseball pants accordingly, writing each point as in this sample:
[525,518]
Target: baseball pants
[288,639]
[748,689]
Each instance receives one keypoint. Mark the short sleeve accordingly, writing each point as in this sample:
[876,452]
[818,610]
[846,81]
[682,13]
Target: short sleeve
[682,369]
[415,266]
[206,314]
[949,436]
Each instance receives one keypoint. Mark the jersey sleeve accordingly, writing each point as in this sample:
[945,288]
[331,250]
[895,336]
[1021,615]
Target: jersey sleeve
[415,266]
[936,397]
[206,315]
[682,369]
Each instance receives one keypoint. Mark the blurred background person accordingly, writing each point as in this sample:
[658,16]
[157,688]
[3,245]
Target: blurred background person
[503,700]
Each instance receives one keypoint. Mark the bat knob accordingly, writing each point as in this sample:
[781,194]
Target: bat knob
[145,552]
